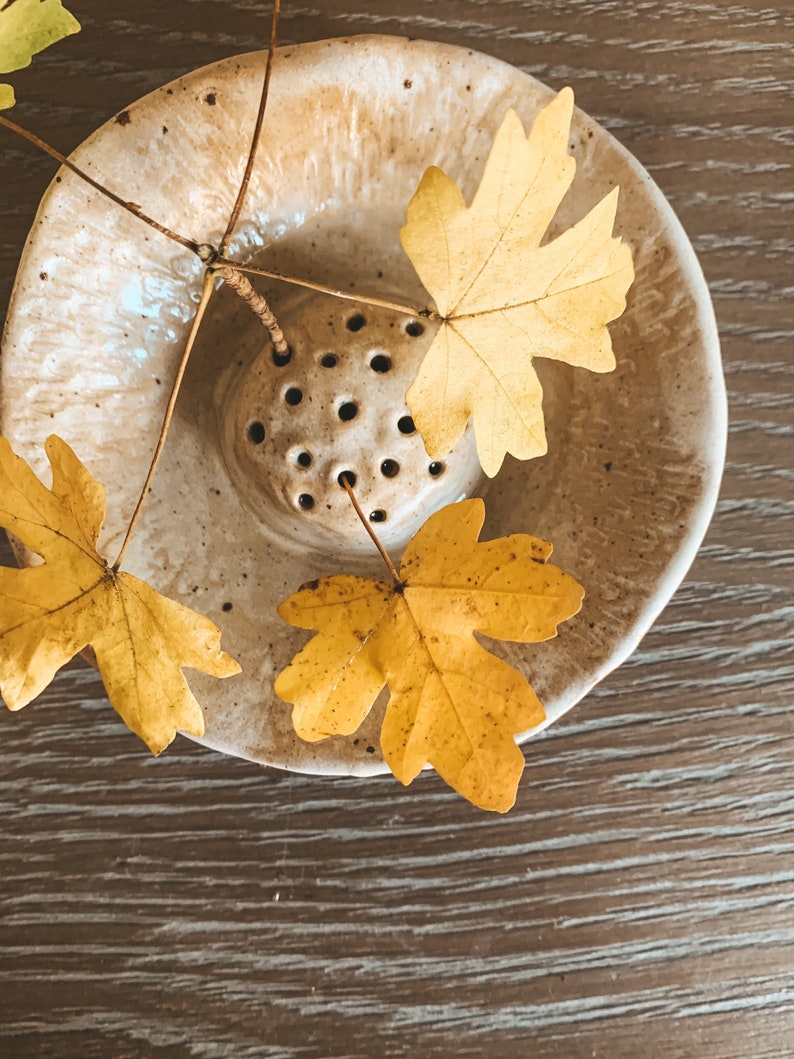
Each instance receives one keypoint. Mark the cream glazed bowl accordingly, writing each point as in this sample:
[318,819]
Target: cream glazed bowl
[246,506]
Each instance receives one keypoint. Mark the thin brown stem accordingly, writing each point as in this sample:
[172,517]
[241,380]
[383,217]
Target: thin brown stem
[297,281]
[260,117]
[257,303]
[201,308]
[343,480]
[130,207]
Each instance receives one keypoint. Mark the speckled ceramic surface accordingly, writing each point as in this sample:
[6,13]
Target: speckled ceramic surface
[102,305]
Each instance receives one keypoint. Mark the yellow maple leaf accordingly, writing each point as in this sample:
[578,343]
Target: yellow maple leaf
[26,28]
[505,298]
[452,704]
[49,613]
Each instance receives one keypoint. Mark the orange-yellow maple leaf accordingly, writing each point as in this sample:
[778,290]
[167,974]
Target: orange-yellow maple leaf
[49,613]
[503,297]
[453,704]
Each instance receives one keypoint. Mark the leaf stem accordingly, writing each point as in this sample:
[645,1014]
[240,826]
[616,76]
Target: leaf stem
[130,207]
[257,303]
[382,303]
[260,115]
[343,480]
[201,308]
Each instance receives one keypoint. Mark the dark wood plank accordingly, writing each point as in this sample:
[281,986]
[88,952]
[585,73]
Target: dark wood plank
[637,902]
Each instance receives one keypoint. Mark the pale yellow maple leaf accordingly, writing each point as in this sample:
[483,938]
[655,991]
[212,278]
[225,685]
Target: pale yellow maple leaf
[50,612]
[503,296]
[26,28]
[453,704]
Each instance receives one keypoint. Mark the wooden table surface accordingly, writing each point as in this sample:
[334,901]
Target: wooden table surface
[637,901]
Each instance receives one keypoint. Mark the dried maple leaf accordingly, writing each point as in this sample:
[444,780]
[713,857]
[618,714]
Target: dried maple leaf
[453,704]
[503,297]
[26,28]
[49,613]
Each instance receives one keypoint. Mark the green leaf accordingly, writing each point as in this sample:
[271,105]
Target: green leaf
[26,28]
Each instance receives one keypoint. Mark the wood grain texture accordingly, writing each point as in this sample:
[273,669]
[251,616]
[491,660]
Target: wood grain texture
[638,900]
